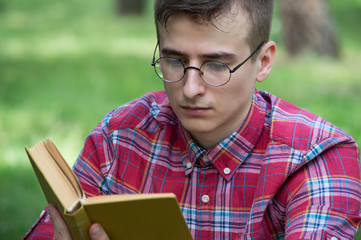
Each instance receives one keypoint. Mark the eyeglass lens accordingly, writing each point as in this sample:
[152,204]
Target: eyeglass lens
[172,70]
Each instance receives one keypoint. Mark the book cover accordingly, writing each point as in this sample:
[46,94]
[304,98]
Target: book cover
[134,216]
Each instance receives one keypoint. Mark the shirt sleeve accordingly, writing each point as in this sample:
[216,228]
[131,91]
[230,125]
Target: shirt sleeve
[324,196]
[42,229]
[94,162]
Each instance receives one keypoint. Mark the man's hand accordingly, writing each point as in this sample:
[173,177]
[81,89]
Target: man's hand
[96,232]
[62,232]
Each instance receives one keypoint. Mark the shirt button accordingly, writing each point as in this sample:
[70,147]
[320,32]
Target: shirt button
[189,165]
[334,238]
[205,198]
[205,159]
[227,170]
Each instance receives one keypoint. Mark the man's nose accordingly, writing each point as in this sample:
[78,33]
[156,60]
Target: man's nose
[193,83]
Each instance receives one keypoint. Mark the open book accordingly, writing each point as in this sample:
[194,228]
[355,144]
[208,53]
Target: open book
[133,216]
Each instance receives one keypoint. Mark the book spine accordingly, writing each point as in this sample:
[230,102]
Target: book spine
[78,223]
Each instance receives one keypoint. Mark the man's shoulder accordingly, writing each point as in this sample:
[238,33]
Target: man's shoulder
[148,111]
[298,127]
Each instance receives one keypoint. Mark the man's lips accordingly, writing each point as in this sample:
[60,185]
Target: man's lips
[195,110]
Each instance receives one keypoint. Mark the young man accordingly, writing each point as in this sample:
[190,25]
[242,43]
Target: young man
[243,164]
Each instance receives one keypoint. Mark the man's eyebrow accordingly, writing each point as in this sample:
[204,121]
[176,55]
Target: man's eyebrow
[172,52]
[219,55]
[212,56]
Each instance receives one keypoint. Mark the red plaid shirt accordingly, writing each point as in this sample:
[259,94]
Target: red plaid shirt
[285,173]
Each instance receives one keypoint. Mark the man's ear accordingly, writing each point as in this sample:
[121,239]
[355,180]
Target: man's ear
[266,58]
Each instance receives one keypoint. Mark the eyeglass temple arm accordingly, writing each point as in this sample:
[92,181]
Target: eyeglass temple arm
[155,50]
[253,53]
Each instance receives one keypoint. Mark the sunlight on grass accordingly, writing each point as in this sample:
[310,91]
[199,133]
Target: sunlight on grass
[56,30]
[70,45]
[18,124]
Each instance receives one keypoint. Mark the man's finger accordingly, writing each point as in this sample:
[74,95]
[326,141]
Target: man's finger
[60,228]
[96,232]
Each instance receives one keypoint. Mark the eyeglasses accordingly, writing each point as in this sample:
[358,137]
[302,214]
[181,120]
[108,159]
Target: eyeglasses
[214,73]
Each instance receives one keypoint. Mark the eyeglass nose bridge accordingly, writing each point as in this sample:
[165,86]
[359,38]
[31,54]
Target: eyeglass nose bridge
[191,67]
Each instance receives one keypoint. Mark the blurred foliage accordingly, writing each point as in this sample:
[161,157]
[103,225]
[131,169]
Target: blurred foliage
[64,64]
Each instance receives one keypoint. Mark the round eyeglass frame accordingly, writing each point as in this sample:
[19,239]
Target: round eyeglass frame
[154,64]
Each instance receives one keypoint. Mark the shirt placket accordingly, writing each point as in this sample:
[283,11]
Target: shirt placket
[205,198]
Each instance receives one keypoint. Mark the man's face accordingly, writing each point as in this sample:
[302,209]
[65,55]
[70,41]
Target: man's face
[209,113]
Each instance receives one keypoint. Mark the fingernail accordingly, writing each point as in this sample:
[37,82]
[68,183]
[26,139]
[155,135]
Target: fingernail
[96,230]
[50,209]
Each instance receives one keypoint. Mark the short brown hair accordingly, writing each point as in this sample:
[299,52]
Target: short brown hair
[204,11]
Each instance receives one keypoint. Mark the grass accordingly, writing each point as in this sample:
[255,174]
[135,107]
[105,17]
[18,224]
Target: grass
[63,65]
[323,86]
[20,203]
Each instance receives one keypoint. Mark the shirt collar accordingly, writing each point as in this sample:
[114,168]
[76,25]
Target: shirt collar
[229,154]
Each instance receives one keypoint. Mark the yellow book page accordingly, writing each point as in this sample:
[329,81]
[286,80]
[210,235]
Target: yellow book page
[55,177]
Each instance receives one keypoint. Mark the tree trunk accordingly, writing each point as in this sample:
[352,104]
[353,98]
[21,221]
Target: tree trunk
[307,24]
[131,7]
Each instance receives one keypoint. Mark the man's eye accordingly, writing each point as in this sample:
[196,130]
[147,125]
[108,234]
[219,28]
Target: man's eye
[173,62]
[215,66]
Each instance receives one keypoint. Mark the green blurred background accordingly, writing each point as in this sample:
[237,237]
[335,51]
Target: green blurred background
[64,64]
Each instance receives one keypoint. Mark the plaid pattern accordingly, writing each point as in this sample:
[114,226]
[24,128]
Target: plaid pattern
[284,174]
